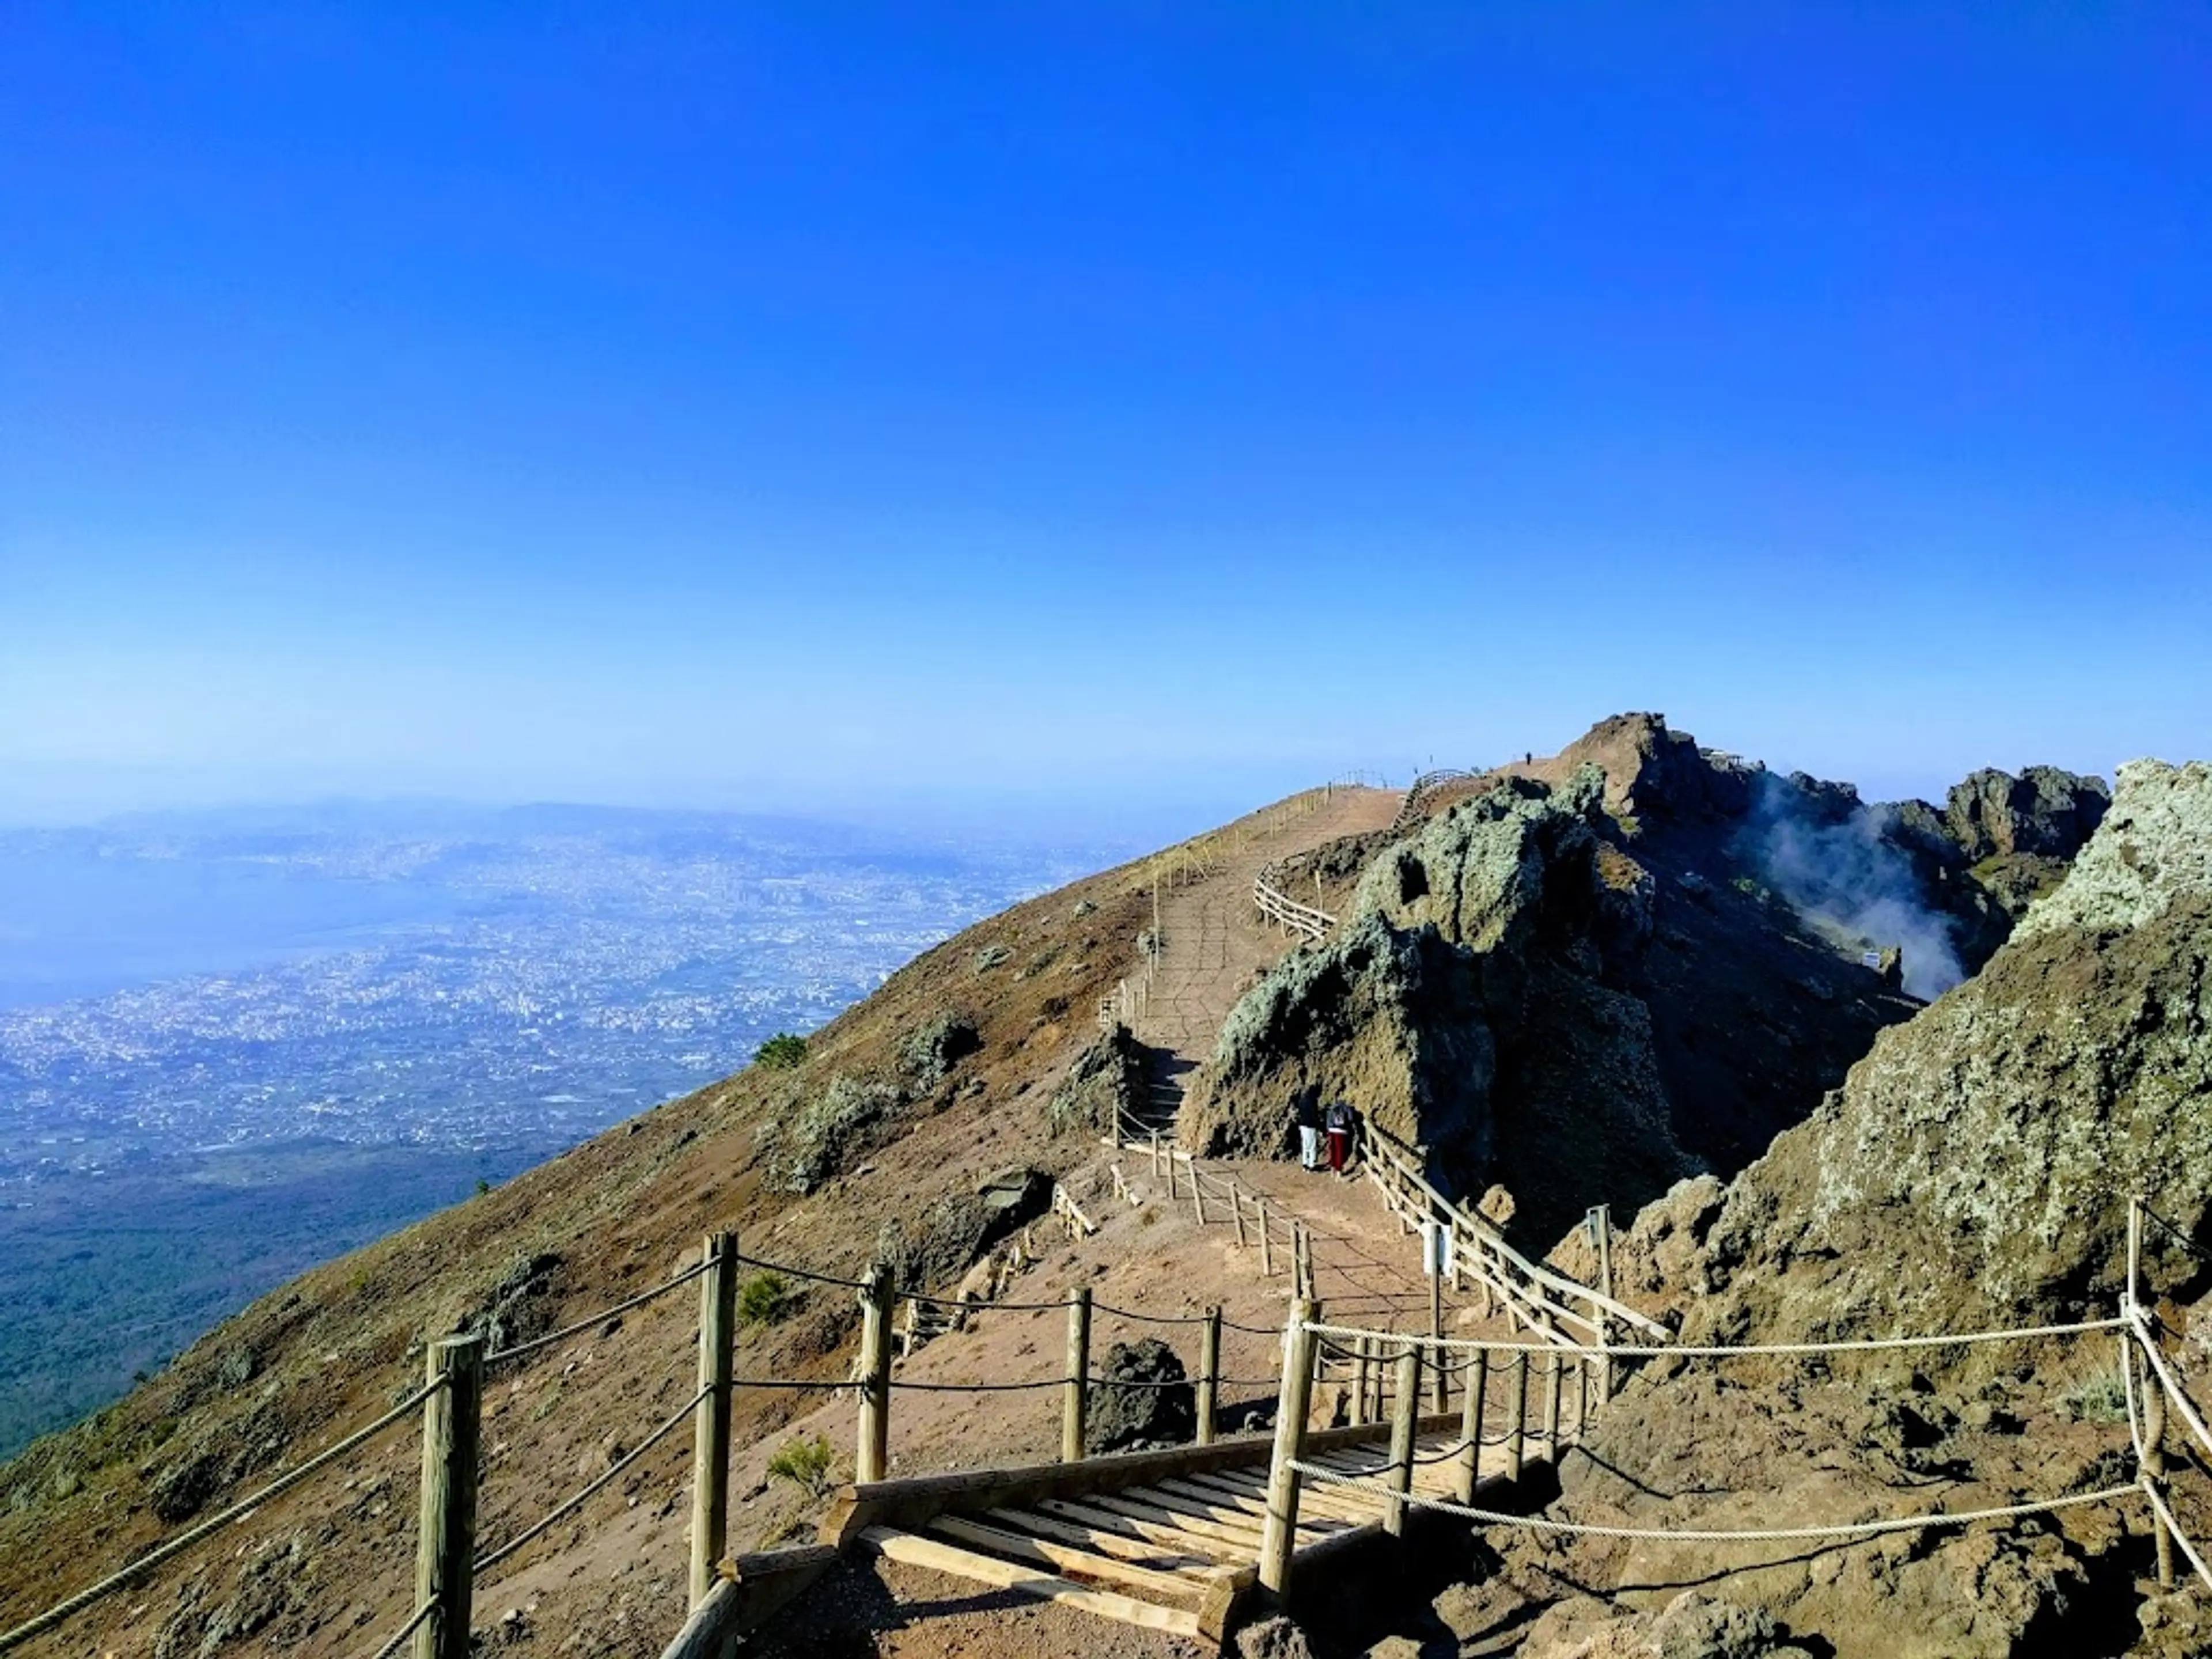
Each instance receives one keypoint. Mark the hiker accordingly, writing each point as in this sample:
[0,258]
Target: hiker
[1305,1112]
[1342,1120]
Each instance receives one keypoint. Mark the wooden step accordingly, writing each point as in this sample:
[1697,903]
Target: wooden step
[1119,1544]
[1157,1530]
[1084,1566]
[937,1556]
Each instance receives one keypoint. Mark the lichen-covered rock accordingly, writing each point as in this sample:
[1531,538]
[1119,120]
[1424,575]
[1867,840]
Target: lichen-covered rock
[1471,1003]
[933,1047]
[2158,850]
[1973,1171]
[1104,1083]
[2045,810]
[1976,1167]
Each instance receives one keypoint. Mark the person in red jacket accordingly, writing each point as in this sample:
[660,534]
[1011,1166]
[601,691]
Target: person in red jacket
[1340,1120]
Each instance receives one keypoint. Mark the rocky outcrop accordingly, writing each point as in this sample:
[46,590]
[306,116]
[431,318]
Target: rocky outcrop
[1143,1398]
[1692,1627]
[1973,1172]
[1103,1085]
[1472,1003]
[2045,812]
[1977,1163]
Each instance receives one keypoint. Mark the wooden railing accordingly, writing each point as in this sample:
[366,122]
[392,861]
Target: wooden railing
[1419,789]
[1286,912]
[1537,1297]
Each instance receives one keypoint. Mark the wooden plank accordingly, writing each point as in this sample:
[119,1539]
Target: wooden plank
[1139,1551]
[938,1556]
[751,1587]
[1217,1511]
[1161,1531]
[1230,1543]
[1325,1499]
[1080,1566]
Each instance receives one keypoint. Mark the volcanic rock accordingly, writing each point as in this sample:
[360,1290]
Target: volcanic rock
[1143,1397]
[1973,1172]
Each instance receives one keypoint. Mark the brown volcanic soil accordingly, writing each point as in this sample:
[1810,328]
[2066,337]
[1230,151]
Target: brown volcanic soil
[328,1568]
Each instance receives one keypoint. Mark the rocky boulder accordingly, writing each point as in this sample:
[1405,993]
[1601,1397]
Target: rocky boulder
[1105,1083]
[1143,1397]
[1470,1003]
[2045,811]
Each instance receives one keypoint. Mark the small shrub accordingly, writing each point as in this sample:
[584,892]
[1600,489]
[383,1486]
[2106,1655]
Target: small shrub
[1746,885]
[483,1185]
[990,956]
[803,1463]
[764,1299]
[2101,1398]
[781,1052]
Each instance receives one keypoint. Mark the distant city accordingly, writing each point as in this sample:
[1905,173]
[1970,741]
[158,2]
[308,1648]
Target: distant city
[197,1011]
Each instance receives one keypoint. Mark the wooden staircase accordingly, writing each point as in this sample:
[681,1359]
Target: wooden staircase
[1165,1540]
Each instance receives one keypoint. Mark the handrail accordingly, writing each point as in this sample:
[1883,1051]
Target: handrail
[1279,906]
[1420,787]
[1483,1235]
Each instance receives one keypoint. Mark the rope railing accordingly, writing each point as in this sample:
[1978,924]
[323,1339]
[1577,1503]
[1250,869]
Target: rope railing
[502,1355]
[576,1500]
[1716,1534]
[154,1558]
[397,1639]
[1728,1351]
[2149,1385]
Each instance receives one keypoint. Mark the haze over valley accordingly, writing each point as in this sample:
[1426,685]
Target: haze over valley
[235,1044]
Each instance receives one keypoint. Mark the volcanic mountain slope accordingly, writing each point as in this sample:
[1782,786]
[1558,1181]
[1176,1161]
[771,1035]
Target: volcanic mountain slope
[1633,941]
[875,1145]
[1972,1173]
[1586,976]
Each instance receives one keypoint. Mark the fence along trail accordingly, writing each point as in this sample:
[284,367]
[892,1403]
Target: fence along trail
[1187,1540]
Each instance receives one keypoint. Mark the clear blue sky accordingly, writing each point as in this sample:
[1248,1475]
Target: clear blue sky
[1161,405]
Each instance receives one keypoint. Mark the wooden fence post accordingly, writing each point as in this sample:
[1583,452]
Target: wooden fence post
[1279,1531]
[1554,1375]
[1601,1225]
[1468,1466]
[710,1424]
[1075,1393]
[445,1544]
[1404,1420]
[1266,1253]
[1517,1437]
[1237,1210]
[1209,1375]
[1443,1388]
[2151,1393]
[1362,1377]
[1197,1193]
[872,1457]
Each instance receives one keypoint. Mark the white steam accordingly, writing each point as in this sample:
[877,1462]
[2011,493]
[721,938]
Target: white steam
[1853,886]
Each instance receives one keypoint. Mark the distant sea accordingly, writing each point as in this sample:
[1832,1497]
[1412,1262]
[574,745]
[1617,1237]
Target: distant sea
[233,1045]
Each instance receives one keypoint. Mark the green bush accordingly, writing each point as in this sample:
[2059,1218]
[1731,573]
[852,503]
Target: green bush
[2101,1398]
[805,1463]
[932,1048]
[764,1299]
[781,1052]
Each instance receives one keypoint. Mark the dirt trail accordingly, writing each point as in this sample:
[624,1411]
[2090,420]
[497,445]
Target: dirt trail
[1216,943]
